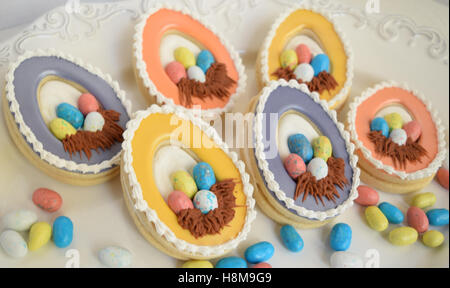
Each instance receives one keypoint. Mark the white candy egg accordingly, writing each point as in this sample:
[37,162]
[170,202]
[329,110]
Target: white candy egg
[115,257]
[13,244]
[19,220]
[304,72]
[343,259]
[196,73]
[399,136]
[93,122]
[318,168]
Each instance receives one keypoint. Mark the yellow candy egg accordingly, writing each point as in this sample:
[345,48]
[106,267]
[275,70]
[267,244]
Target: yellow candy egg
[376,219]
[185,57]
[394,120]
[61,128]
[197,264]
[289,59]
[433,238]
[424,200]
[322,148]
[40,234]
[183,181]
[403,236]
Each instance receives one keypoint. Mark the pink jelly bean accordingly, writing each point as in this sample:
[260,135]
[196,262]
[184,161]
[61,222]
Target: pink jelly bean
[413,130]
[87,104]
[417,219]
[176,71]
[262,265]
[294,165]
[303,54]
[367,196]
[179,201]
[442,177]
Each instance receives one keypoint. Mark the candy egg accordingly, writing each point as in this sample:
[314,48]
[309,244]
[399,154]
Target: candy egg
[322,148]
[204,60]
[204,176]
[289,59]
[300,145]
[379,124]
[303,54]
[176,71]
[294,165]
[71,114]
[413,130]
[424,200]
[231,262]
[47,199]
[341,237]
[13,244]
[291,239]
[392,213]
[433,238]
[115,257]
[367,196]
[438,217]
[40,234]
[19,220]
[205,201]
[182,181]
[376,219]
[398,136]
[320,63]
[394,121]
[417,219]
[178,201]
[87,103]
[196,73]
[61,128]
[342,259]
[304,72]
[403,236]
[318,168]
[94,122]
[262,265]
[185,57]
[259,252]
[62,232]
[197,264]
[443,177]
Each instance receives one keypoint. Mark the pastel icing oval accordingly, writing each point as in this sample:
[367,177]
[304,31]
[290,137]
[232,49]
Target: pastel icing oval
[399,136]
[205,59]
[322,148]
[94,122]
[304,72]
[197,74]
[183,181]
[318,168]
[185,57]
[301,146]
[413,130]
[204,176]
[47,199]
[289,59]
[294,165]
[87,103]
[379,124]
[394,120]
[304,54]
[205,201]
[71,114]
[259,252]
[62,232]
[178,201]
[176,71]
[320,63]
[61,128]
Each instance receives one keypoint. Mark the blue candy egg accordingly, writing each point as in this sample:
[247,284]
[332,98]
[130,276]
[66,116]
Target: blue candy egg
[438,217]
[291,239]
[259,252]
[379,124]
[62,232]
[341,237]
[300,145]
[71,114]
[204,176]
[392,213]
[231,262]
[320,63]
[204,60]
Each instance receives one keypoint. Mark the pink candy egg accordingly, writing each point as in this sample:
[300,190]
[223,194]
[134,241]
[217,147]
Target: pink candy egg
[413,130]
[47,199]
[179,201]
[367,196]
[176,71]
[442,177]
[303,54]
[262,265]
[294,165]
[417,219]
[87,104]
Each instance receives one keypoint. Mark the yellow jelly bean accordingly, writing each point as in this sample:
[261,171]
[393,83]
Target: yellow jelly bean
[183,181]
[197,264]
[61,128]
[433,238]
[403,236]
[394,121]
[185,57]
[376,219]
[322,148]
[40,234]
[424,200]
[289,59]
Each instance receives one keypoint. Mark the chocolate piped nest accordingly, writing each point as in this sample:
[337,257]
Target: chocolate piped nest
[400,154]
[323,81]
[200,224]
[325,187]
[217,84]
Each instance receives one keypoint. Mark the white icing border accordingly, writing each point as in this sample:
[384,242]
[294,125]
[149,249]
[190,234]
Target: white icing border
[141,205]
[37,146]
[141,66]
[272,184]
[339,97]
[420,174]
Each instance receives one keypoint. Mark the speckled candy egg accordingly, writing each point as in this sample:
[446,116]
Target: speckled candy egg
[176,71]
[13,244]
[179,201]
[115,257]
[304,72]
[379,124]
[196,73]
[320,63]
[204,176]
[60,128]
[94,122]
[87,103]
[300,145]
[205,201]
[182,181]
[185,57]
[318,168]
[47,199]
[322,148]
[413,130]
[399,136]
[204,60]
[303,54]
[394,120]
[289,59]
[19,220]
[71,114]
[294,165]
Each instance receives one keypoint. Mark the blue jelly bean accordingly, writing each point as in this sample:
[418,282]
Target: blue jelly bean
[341,237]
[204,60]
[204,176]
[62,232]
[231,262]
[259,252]
[379,124]
[392,213]
[301,146]
[71,114]
[320,63]
[438,217]
[291,239]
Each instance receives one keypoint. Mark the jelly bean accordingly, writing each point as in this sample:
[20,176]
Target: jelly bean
[205,201]
[115,257]
[182,181]
[304,54]
[94,122]
[398,136]
[40,234]
[403,236]
[318,168]
[231,262]
[376,219]
[417,219]
[379,124]
[87,103]
[197,74]
[394,121]
[13,244]
[178,201]
[392,213]
[262,265]
[71,114]
[47,199]
[62,232]
[61,128]
[424,200]
[291,239]
[413,130]
[343,259]
[19,220]
[259,252]
[367,196]
[204,60]
[294,165]
[433,238]
[185,57]
[289,59]
[322,147]
[300,145]
[341,237]
[176,71]
[438,217]
[204,176]
[304,72]
[320,63]
[442,177]
[197,264]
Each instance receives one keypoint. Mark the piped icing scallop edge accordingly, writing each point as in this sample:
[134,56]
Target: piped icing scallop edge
[420,174]
[348,50]
[141,66]
[37,146]
[272,184]
[141,205]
